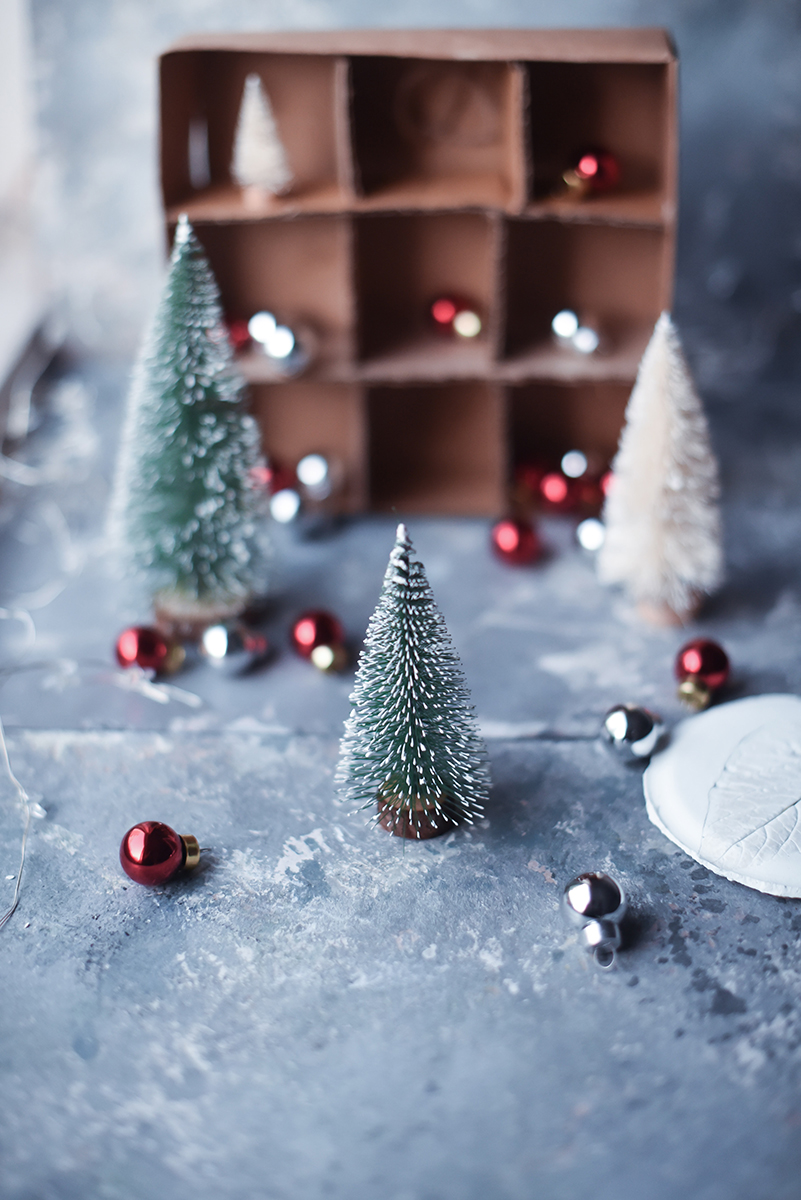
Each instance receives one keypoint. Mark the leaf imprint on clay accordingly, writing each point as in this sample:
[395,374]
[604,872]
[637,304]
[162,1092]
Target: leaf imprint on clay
[754,809]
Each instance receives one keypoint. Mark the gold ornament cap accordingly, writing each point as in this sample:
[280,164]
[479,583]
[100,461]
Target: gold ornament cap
[192,851]
[694,693]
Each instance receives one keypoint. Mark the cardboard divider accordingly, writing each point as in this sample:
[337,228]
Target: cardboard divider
[619,107]
[402,264]
[545,420]
[316,418]
[304,95]
[299,269]
[437,133]
[613,278]
[437,449]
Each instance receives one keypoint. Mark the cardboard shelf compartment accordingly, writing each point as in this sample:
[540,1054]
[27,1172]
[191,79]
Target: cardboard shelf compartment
[316,418]
[402,264]
[547,419]
[437,449]
[298,269]
[438,134]
[617,280]
[201,95]
[625,108]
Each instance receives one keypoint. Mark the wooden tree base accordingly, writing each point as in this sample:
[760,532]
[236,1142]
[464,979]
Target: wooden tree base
[417,828]
[186,620]
[665,616]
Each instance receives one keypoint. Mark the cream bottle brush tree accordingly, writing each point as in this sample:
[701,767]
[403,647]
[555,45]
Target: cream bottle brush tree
[259,162]
[411,748]
[663,535]
[185,508]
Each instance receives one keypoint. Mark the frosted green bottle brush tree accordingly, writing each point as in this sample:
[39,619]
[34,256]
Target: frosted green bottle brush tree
[185,511]
[411,749]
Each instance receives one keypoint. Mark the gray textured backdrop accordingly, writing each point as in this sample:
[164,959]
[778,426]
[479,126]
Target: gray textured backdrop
[739,278]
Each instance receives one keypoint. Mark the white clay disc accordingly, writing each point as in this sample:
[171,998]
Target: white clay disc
[727,790]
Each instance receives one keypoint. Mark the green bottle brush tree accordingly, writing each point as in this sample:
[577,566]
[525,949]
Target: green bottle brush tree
[411,747]
[186,511]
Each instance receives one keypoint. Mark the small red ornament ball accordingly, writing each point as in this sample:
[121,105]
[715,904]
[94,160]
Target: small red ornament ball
[316,628]
[148,648]
[151,853]
[557,492]
[598,169]
[238,334]
[515,541]
[703,660]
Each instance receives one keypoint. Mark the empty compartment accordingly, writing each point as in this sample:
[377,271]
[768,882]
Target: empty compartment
[437,449]
[303,418]
[403,264]
[298,269]
[548,419]
[201,93]
[623,108]
[616,280]
[437,133]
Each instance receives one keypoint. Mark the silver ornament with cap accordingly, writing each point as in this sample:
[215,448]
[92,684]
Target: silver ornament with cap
[596,904]
[235,647]
[632,733]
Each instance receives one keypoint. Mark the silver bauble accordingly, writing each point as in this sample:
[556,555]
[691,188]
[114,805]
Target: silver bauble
[234,647]
[631,732]
[596,904]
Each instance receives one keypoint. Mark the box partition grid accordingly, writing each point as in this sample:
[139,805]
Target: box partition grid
[429,163]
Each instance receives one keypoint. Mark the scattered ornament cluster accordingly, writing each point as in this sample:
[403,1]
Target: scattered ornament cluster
[575,485]
[262,334]
[633,733]
[568,331]
[457,317]
[316,635]
[311,482]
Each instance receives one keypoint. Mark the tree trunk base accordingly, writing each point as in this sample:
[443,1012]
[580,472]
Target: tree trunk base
[187,620]
[665,616]
[417,826]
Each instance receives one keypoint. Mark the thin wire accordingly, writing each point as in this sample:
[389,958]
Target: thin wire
[26,805]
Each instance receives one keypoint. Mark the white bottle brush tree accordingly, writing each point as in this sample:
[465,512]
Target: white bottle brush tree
[259,162]
[663,538]
[185,508]
[411,748]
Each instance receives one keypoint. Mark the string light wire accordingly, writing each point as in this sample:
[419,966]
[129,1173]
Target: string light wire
[25,801]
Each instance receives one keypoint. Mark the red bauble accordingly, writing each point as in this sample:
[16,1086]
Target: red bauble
[443,310]
[238,334]
[152,853]
[529,476]
[515,541]
[557,492]
[598,170]
[273,477]
[316,628]
[148,648]
[589,494]
[703,660]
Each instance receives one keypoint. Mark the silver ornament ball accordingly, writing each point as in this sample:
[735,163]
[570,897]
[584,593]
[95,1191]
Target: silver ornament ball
[235,647]
[596,904]
[632,733]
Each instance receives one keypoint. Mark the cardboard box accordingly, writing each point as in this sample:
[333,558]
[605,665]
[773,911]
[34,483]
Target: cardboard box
[428,163]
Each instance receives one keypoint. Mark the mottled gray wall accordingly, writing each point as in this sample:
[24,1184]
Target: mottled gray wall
[739,278]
